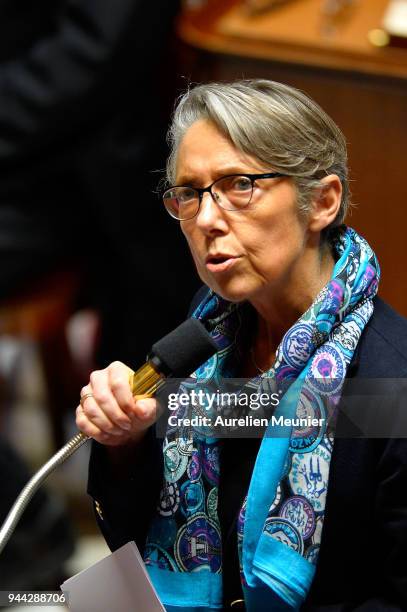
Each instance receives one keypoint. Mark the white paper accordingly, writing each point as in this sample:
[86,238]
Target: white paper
[117,583]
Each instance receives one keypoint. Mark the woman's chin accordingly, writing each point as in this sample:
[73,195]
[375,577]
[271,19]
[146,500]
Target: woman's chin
[232,292]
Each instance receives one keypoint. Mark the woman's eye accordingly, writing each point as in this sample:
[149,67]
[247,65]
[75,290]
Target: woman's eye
[186,195]
[242,184]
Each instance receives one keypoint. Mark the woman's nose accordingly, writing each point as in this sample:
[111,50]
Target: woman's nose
[210,217]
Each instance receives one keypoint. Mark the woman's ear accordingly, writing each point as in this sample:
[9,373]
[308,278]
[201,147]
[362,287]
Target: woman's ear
[326,203]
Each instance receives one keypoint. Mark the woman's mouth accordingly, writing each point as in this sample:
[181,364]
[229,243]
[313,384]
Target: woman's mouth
[220,263]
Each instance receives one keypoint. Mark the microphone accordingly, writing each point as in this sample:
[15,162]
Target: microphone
[176,355]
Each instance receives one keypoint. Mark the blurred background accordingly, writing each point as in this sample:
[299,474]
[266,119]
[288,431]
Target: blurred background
[91,268]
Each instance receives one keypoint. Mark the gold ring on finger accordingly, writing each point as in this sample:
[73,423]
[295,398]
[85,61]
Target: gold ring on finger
[85,397]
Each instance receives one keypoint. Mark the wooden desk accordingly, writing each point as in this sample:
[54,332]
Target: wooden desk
[364,88]
[298,33]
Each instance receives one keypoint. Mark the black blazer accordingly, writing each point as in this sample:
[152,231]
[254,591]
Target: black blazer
[363,557]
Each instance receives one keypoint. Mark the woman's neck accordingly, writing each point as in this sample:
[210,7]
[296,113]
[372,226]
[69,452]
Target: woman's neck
[277,310]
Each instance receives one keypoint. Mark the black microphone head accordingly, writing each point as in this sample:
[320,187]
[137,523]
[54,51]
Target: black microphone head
[183,350]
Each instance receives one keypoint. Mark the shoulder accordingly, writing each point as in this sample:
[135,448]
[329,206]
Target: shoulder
[382,351]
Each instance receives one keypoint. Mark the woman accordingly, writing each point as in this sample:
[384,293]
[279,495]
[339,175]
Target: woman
[314,523]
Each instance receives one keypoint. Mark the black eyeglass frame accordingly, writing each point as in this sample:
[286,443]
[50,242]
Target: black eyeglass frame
[201,190]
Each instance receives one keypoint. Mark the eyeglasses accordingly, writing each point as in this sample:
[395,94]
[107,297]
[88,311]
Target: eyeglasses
[232,192]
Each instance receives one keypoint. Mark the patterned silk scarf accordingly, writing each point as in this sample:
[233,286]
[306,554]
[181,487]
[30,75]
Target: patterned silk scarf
[281,520]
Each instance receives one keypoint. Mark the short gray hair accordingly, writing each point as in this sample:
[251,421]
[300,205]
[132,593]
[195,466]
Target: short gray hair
[275,123]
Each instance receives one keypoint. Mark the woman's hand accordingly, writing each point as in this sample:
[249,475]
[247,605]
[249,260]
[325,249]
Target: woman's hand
[110,415]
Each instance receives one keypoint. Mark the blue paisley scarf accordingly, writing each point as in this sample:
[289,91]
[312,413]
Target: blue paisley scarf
[281,520]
